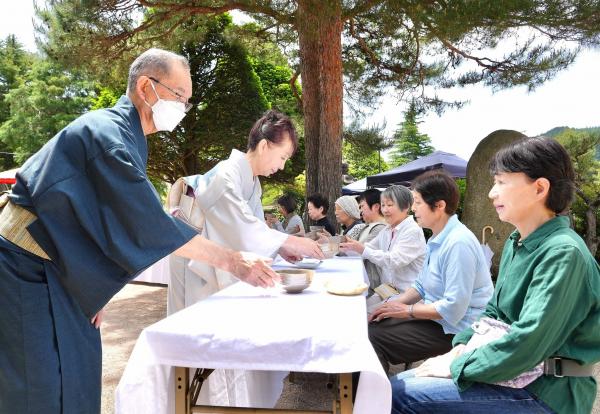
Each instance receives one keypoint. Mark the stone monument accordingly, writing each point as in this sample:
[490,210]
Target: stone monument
[479,214]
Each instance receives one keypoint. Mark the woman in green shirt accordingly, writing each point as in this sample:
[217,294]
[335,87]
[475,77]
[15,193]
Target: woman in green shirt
[548,291]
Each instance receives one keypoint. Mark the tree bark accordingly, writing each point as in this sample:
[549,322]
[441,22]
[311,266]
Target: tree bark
[319,26]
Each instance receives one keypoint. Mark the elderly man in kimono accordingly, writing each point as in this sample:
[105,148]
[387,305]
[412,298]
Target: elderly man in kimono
[229,196]
[76,229]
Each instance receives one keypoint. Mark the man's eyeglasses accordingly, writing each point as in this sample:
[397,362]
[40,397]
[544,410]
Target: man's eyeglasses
[180,98]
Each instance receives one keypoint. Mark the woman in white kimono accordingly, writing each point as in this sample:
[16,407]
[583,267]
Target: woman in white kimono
[229,196]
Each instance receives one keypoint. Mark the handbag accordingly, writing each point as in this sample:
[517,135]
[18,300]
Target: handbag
[385,290]
[486,330]
[182,204]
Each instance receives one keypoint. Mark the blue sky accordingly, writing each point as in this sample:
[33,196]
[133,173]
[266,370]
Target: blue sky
[570,99]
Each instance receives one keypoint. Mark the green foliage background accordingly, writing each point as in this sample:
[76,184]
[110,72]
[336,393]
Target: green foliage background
[583,146]
[408,46]
[235,81]
[408,143]
[46,99]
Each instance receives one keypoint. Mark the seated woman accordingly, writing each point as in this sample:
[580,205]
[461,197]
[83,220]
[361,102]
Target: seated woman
[317,207]
[347,214]
[548,292]
[229,195]
[399,249]
[451,290]
[292,223]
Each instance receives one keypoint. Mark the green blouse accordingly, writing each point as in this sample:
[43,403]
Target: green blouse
[548,290]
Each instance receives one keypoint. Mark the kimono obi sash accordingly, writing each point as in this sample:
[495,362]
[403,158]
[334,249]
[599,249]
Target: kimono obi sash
[191,197]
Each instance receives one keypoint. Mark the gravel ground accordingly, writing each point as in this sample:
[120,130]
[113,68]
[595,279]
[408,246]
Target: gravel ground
[129,311]
[138,306]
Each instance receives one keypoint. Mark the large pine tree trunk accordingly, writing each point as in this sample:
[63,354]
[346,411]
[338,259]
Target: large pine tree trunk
[319,28]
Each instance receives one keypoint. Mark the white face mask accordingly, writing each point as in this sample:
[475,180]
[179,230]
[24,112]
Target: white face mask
[166,114]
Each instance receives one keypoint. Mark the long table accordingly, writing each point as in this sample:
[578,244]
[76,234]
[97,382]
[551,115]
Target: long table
[250,328]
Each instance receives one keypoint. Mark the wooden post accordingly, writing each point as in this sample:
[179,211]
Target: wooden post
[346,393]
[182,382]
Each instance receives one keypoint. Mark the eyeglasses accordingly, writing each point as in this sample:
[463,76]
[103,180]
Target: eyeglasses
[180,98]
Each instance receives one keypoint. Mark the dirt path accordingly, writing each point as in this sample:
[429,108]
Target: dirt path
[130,311]
[138,306]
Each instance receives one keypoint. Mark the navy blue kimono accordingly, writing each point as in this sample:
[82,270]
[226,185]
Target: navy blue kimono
[101,223]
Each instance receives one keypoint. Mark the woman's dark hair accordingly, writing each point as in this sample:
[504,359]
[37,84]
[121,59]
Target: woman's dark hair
[272,126]
[318,201]
[436,185]
[540,157]
[288,203]
[371,196]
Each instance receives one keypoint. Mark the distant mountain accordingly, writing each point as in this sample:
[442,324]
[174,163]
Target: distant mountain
[557,130]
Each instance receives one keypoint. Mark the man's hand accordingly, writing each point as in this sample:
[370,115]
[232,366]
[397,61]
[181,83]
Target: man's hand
[439,366]
[289,255]
[254,269]
[245,266]
[97,318]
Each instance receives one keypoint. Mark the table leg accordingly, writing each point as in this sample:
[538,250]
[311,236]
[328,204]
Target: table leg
[184,405]
[182,382]
[247,410]
[345,393]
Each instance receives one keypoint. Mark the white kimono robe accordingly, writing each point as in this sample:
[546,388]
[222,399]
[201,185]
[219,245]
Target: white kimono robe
[230,198]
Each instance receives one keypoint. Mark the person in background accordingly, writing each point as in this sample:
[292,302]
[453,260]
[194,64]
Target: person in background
[451,290]
[347,214]
[81,222]
[317,207]
[399,249]
[547,295]
[292,223]
[369,203]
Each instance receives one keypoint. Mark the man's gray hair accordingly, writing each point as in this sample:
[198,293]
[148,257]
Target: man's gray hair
[399,195]
[153,62]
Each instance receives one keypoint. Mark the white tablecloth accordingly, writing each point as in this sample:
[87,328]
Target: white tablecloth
[260,329]
[157,273]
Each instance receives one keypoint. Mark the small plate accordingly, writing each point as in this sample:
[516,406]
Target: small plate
[309,263]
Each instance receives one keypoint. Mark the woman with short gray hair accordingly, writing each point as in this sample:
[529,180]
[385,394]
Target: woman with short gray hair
[399,249]
[399,195]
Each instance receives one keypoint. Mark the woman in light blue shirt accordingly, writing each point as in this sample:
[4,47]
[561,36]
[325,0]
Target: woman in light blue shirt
[451,290]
